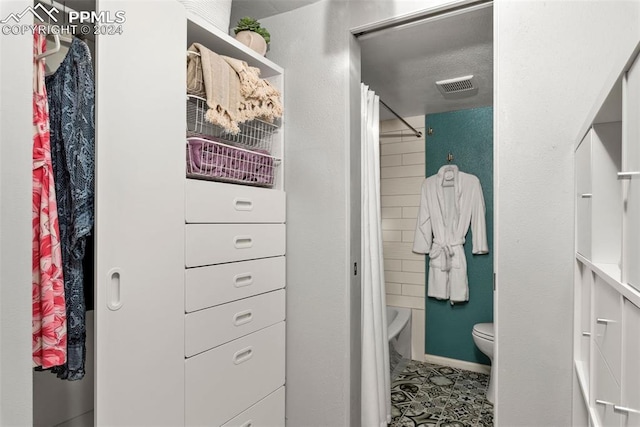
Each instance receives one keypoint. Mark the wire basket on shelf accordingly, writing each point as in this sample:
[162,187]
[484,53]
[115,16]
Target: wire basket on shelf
[216,161]
[253,135]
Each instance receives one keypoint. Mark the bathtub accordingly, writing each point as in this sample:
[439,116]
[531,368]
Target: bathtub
[399,331]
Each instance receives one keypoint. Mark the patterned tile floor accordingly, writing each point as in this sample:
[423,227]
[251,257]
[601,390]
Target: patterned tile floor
[426,395]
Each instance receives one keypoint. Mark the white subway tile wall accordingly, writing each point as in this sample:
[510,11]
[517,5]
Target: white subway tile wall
[402,166]
[391,160]
[391,236]
[400,250]
[412,266]
[398,224]
[393,264]
[412,200]
[392,212]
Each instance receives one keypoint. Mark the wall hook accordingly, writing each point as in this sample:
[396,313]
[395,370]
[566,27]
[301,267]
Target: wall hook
[449,157]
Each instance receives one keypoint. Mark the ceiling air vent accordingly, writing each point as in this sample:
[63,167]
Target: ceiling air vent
[460,87]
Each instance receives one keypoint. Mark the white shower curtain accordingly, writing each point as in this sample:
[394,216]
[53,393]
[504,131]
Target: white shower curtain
[376,390]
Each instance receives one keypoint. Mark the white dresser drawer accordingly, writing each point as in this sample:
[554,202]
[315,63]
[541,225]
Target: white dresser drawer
[223,382]
[608,325]
[269,412]
[214,326]
[208,201]
[219,284]
[606,392]
[208,244]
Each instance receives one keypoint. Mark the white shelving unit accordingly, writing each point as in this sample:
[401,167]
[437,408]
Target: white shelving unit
[200,31]
[607,286]
[235,280]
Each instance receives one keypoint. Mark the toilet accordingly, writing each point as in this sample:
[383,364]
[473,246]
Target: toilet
[483,338]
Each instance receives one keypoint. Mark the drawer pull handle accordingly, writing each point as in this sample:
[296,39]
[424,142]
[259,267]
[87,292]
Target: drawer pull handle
[604,402]
[604,321]
[243,204]
[243,355]
[241,280]
[586,195]
[243,317]
[625,409]
[628,175]
[243,242]
[114,289]
[247,424]
[586,334]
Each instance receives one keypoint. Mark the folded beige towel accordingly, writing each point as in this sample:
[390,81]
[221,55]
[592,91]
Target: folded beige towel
[211,76]
[234,91]
[259,99]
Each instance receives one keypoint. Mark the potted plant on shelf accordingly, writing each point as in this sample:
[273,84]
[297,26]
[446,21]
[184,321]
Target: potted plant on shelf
[249,32]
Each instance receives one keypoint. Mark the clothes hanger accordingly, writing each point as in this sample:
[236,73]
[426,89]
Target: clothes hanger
[56,48]
[57,38]
[449,170]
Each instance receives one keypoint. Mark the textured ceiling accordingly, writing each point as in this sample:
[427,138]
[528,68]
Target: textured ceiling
[402,65]
[259,9]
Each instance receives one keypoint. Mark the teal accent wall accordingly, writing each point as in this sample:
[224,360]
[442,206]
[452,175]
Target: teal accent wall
[468,135]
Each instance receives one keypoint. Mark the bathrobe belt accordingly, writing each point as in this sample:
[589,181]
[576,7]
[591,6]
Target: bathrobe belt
[438,248]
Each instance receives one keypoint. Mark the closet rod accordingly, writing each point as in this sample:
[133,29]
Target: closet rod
[415,131]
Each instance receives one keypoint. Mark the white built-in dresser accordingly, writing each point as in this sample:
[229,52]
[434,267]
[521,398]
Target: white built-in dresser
[235,281]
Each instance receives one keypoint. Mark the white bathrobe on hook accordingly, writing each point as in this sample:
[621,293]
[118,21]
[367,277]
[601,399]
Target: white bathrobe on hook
[451,201]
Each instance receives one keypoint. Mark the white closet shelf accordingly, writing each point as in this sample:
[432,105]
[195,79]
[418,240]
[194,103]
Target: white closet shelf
[200,31]
[611,110]
[608,105]
[611,274]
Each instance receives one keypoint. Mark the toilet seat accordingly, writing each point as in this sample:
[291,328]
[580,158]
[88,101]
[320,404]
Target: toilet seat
[484,331]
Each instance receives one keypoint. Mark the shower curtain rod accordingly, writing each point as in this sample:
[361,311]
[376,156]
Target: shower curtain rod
[444,11]
[415,131]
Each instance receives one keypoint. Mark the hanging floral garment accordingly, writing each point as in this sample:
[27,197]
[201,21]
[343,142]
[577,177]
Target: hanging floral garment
[48,298]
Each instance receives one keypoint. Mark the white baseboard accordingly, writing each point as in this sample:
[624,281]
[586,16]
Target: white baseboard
[455,363]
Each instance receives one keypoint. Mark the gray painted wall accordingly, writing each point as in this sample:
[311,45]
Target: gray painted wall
[552,60]
[322,76]
[312,44]
[355,225]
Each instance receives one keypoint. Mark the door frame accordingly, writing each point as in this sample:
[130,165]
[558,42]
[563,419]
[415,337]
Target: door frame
[396,23]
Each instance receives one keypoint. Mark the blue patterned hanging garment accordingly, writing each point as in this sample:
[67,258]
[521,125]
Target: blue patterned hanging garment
[71,96]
